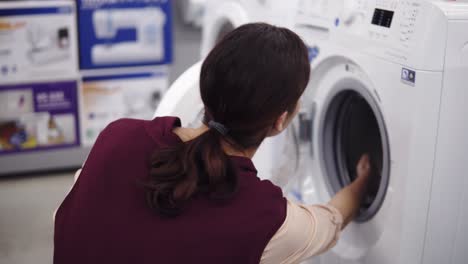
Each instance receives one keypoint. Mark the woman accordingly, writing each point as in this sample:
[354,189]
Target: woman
[155,192]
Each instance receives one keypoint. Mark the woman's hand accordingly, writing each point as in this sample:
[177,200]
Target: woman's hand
[348,199]
[363,167]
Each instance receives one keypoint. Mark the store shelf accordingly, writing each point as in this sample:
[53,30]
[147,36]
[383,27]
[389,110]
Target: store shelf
[49,160]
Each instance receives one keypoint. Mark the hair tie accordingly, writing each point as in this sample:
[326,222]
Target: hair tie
[218,127]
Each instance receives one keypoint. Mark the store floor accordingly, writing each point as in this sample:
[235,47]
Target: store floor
[27,202]
[26,208]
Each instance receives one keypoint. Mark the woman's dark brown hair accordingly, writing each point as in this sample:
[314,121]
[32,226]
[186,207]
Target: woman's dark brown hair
[252,76]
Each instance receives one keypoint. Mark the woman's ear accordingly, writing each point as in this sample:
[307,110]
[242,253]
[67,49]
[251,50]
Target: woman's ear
[279,125]
[283,121]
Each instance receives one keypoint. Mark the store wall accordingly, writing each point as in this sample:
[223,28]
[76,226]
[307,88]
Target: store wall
[68,68]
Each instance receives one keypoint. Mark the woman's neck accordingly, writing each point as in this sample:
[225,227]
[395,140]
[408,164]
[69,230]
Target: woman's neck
[187,134]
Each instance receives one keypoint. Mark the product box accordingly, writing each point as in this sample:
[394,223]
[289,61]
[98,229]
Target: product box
[122,33]
[38,41]
[110,97]
[38,116]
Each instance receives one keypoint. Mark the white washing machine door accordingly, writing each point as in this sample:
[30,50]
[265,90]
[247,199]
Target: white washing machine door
[273,158]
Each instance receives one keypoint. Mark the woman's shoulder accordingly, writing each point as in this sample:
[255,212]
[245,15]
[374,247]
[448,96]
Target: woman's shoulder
[129,133]
[161,129]
[128,127]
[121,129]
[131,138]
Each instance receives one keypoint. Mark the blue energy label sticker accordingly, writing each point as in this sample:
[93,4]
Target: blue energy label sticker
[408,76]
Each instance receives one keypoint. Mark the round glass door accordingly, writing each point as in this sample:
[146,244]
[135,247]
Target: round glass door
[352,126]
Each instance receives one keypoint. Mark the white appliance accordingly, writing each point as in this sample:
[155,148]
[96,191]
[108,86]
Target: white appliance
[48,47]
[149,43]
[388,78]
[192,11]
[222,16]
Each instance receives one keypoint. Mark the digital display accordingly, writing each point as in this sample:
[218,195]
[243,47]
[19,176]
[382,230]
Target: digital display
[382,17]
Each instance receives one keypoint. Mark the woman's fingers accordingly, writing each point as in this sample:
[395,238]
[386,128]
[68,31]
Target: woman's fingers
[363,166]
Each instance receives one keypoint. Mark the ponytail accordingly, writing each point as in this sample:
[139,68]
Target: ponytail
[250,78]
[178,173]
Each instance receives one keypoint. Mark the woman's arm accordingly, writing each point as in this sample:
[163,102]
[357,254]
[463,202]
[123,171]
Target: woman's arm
[309,230]
[348,200]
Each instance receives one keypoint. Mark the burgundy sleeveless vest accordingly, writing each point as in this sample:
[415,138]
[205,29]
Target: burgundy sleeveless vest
[105,218]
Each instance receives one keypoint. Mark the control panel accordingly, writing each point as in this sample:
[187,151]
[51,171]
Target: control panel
[409,13]
[392,20]
[408,32]
[404,31]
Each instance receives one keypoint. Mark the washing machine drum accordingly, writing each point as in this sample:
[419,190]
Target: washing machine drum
[352,127]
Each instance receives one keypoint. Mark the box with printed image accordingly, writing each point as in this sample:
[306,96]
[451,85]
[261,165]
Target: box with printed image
[38,116]
[38,41]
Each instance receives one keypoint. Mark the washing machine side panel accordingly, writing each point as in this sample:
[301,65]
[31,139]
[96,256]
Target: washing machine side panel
[447,232]
[422,151]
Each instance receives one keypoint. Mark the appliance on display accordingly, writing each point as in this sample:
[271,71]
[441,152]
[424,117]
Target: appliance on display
[388,79]
[37,41]
[121,33]
[192,11]
[148,45]
[222,16]
[107,98]
[48,47]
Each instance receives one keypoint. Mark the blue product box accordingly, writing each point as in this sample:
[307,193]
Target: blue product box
[123,33]
[38,116]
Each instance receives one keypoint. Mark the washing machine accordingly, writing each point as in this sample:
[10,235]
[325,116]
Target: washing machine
[389,79]
[222,16]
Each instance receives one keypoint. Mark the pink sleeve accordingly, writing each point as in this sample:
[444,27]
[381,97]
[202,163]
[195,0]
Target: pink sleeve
[307,231]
